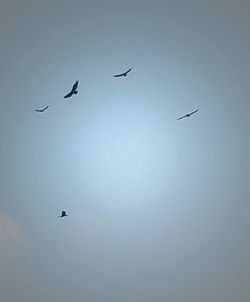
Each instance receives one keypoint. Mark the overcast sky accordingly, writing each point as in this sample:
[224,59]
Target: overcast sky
[158,208]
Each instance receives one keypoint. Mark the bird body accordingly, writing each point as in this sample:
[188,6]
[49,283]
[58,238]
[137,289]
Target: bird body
[42,110]
[73,90]
[63,214]
[188,114]
[124,74]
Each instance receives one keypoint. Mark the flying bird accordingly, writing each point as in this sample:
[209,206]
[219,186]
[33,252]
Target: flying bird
[63,214]
[124,74]
[73,90]
[188,114]
[42,110]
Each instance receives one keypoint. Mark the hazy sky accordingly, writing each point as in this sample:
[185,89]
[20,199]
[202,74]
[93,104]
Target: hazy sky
[158,208]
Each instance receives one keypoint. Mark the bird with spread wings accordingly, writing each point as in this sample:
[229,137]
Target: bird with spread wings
[188,114]
[73,90]
[124,74]
[63,214]
[42,110]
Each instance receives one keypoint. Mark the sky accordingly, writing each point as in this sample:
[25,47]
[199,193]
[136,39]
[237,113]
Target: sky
[158,207]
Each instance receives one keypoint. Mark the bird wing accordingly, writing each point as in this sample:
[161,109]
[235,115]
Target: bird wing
[75,86]
[180,118]
[68,95]
[194,111]
[118,75]
[45,108]
[128,70]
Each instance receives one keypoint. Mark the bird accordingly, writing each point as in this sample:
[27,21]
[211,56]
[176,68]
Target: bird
[42,110]
[188,114]
[73,90]
[63,214]
[124,74]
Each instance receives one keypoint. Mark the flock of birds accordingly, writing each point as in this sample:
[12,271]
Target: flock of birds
[74,91]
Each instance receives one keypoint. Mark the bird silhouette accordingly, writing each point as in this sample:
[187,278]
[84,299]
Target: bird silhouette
[42,110]
[63,214]
[124,74]
[188,114]
[73,90]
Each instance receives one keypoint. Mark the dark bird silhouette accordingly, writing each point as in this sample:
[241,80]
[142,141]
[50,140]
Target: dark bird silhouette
[73,90]
[188,114]
[124,74]
[63,214]
[42,110]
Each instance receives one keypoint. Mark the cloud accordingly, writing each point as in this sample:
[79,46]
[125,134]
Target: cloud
[13,241]
[14,257]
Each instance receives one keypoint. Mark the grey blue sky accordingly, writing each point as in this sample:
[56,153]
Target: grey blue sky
[158,208]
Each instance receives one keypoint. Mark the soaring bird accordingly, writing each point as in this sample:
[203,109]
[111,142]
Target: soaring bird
[73,90]
[64,214]
[42,110]
[188,114]
[124,74]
